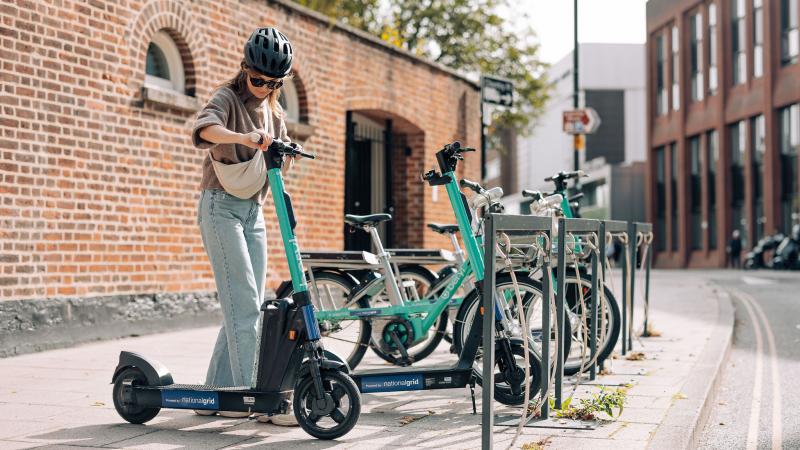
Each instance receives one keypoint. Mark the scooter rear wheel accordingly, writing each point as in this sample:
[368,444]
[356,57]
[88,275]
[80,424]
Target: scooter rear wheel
[132,413]
[333,416]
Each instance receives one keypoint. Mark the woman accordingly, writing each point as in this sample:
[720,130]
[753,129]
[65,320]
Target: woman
[233,231]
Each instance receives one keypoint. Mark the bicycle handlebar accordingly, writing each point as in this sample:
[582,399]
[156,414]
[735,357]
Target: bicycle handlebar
[567,175]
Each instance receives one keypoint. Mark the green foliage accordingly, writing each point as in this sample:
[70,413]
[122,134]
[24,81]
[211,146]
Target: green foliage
[356,13]
[606,401]
[467,35]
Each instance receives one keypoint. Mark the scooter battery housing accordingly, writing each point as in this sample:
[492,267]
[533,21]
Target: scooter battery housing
[282,338]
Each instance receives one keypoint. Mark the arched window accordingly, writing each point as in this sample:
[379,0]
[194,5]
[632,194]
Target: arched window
[164,67]
[290,102]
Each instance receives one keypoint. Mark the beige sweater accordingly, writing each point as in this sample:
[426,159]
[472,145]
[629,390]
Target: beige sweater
[241,113]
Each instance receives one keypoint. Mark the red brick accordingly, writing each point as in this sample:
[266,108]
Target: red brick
[125,174]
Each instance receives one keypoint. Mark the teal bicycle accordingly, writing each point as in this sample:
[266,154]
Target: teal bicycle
[349,309]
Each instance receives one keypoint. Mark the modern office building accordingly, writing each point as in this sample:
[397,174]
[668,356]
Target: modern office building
[723,101]
[612,81]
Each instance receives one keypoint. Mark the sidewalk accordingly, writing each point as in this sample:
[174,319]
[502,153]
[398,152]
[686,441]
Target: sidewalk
[62,398]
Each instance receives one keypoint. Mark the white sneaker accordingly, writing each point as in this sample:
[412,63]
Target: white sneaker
[234,414]
[204,412]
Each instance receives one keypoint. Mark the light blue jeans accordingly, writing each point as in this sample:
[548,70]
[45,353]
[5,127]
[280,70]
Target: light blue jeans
[234,237]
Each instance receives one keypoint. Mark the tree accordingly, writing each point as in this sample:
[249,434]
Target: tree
[467,35]
[356,13]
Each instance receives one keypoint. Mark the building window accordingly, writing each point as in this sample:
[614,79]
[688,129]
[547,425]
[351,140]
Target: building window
[661,201]
[738,43]
[164,67]
[712,157]
[790,140]
[758,38]
[758,148]
[661,75]
[695,208]
[697,56]
[676,93]
[737,155]
[790,37]
[712,49]
[673,192]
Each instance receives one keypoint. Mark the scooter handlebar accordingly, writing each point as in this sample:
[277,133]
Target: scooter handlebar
[472,185]
[290,149]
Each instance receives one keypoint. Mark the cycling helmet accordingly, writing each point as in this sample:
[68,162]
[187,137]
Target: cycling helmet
[269,52]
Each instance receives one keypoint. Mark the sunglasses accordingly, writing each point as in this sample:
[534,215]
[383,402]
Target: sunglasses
[271,84]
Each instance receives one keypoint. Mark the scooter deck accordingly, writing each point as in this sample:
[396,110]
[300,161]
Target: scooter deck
[413,380]
[215,398]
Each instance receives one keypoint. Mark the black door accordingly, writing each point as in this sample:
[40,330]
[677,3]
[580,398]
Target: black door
[358,191]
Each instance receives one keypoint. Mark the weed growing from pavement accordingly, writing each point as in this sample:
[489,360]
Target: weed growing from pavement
[607,400]
[635,356]
[538,445]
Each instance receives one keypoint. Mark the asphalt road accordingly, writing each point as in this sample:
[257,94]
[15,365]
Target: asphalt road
[758,396]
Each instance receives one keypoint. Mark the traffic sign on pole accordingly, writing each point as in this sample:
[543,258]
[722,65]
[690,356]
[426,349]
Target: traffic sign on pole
[497,91]
[581,121]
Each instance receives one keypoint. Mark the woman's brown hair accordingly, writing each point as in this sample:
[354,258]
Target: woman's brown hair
[238,84]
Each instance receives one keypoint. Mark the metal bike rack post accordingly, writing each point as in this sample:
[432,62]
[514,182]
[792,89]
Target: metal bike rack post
[598,267]
[646,229]
[561,270]
[487,293]
[511,224]
[633,247]
[617,227]
[579,227]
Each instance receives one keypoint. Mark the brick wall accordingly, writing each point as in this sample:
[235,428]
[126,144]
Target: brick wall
[99,189]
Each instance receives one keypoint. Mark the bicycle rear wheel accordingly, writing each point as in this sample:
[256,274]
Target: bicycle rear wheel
[348,338]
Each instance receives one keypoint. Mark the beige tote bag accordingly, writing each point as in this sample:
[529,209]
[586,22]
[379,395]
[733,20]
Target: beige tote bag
[244,179]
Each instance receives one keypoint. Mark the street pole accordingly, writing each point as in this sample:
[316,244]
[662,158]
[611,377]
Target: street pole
[483,140]
[576,156]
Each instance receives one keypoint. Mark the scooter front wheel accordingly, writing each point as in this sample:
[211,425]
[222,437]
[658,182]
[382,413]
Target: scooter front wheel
[132,413]
[336,413]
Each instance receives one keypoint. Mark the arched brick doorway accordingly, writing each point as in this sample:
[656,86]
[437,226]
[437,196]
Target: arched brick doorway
[384,155]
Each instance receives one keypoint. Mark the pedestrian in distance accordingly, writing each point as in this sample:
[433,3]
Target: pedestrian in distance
[735,250]
[240,120]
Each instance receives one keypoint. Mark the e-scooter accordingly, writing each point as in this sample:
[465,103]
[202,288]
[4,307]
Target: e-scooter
[327,402]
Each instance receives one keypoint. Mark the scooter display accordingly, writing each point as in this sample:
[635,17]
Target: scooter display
[290,359]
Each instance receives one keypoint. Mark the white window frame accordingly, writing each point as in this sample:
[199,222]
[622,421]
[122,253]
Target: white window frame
[289,93]
[177,81]
[758,38]
[697,77]
[712,49]
[676,91]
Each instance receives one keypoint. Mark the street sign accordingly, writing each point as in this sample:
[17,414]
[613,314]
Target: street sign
[581,121]
[497,91]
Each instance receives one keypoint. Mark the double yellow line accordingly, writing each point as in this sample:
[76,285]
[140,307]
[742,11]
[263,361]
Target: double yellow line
[759,320]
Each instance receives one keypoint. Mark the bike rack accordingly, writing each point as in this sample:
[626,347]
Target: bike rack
[645,230]
[512,225]
[574,227]
[615,228]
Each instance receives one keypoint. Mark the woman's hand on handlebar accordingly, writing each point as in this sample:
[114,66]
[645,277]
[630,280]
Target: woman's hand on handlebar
[256,139]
